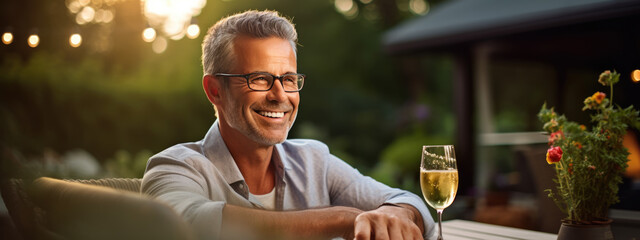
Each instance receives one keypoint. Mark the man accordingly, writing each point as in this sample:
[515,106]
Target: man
[246,178]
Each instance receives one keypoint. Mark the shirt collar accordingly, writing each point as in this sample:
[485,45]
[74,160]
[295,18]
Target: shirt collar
[280,159]
[217,152]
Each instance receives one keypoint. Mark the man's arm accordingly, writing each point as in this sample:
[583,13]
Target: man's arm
[350,188]
[322,223]
[387,222]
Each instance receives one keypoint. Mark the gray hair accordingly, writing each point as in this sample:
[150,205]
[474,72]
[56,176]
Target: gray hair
[217,47]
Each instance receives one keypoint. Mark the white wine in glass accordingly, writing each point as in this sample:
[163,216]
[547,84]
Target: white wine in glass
[439,178]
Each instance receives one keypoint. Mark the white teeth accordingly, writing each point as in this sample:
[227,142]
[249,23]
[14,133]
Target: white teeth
[272,114]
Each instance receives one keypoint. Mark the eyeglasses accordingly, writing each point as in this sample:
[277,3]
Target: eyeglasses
[262,81]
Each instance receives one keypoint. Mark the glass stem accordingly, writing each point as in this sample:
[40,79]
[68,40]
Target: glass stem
[439,224]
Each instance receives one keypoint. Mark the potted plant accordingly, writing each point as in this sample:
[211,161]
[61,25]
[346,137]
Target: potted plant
[589,162]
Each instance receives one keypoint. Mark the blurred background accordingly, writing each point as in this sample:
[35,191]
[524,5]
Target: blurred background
[93,88]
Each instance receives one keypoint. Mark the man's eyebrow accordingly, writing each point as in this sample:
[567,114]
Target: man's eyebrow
[265,72]
[262,72]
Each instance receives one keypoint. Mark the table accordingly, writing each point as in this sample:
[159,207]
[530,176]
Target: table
[462,229]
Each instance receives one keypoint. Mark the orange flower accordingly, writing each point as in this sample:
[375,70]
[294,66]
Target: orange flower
[555,136]
[598,97]
[554,154]
[582,127]
[570,169]
[578,145]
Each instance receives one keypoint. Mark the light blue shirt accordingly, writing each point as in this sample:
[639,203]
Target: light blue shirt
[199,178]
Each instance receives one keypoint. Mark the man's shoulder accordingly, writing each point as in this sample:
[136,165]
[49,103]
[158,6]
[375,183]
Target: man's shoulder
[305,145]
[180,152]
[306,150]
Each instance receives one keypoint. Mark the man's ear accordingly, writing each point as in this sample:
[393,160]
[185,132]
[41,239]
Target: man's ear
[211,87]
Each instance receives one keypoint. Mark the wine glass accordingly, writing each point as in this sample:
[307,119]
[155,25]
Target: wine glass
[439,178]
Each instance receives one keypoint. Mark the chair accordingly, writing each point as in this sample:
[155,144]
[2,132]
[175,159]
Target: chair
[550,217]
[127,184]
[90,209]
[27,218]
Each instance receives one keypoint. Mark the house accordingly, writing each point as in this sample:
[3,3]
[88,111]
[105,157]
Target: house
[510,56]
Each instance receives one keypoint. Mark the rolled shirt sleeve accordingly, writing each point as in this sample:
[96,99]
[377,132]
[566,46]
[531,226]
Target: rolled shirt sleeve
[182,185]
[348,187]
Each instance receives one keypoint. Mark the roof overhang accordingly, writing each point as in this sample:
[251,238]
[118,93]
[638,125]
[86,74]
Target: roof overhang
[462,21]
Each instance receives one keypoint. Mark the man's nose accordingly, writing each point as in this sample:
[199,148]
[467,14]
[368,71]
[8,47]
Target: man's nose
[277,93]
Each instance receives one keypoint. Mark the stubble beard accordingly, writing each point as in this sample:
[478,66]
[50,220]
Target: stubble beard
[238,122]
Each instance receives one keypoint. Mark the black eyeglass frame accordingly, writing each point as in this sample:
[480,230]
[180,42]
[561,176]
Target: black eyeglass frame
[246,77]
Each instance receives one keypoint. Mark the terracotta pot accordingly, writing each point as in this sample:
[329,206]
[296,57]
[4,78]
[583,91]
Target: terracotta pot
[570,231]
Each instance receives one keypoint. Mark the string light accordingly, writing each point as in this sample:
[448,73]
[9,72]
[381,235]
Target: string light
[635,75]
[149,34]
[33,40]
[193,31]
[169,17]
[7,38]
[75,40]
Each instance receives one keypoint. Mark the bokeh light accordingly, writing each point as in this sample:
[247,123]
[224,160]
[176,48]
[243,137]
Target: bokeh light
[159,45]
[75,40]
[347,7]
[108,16]
[33,40]
[420,7]
[174,29]
[74,6]
[91,11]
[99,15]
[103,16]
[193,31]
[172,17]
[635,75]
[149,34]
[87,14]
[7,38]
[343,6]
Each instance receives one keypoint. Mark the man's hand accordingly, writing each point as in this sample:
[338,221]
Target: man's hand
[389,222]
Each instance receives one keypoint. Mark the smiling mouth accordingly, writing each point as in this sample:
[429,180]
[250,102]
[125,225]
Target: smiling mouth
[271,114]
